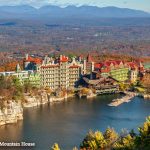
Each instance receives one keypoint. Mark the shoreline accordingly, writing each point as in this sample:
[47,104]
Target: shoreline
[14,111]
[129,96]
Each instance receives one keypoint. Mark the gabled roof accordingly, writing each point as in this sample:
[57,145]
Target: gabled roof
[33,60]
[98,65]
[132,65]
[63,58]
[105,70]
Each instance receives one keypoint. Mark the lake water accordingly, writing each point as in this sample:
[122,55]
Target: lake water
[68,122]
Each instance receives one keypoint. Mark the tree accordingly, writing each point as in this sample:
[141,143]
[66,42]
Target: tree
[27,87]
[143,139]
[123,86]
[124,143]
[16,81]
[110,140]
[75,148]
[93,141]
[110,136]
[55,147]
[48,90]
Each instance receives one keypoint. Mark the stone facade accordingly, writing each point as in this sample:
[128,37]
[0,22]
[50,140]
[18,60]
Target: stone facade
[60,72]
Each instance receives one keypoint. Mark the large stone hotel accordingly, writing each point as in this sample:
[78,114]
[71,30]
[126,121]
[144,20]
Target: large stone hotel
[60,72]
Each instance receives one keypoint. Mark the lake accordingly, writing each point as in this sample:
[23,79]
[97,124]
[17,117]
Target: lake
[68,122]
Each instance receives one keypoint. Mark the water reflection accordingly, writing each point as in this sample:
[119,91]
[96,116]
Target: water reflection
[13,131]
[68,122]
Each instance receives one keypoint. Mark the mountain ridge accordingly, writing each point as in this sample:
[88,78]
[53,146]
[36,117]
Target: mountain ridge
[70,11]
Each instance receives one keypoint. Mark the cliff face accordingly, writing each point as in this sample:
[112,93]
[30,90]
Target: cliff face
[40,99]
[11,113]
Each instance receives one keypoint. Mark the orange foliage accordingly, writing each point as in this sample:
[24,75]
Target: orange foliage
[10,66]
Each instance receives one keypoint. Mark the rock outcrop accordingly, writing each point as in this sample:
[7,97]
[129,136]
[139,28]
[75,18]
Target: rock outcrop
[146,96]
[11,113]
[32,100]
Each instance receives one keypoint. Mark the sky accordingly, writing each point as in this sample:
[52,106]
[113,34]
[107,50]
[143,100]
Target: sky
[134,4]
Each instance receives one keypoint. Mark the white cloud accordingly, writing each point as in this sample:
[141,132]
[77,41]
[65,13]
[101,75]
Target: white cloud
[45,2]
[23,2]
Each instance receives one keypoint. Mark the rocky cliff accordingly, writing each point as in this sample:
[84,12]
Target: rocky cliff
[11,113]
[35,100]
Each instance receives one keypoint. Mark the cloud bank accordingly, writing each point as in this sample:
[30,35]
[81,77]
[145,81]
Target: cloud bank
[39,3]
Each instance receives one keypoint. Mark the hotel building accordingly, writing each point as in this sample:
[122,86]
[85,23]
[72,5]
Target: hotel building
[60,72]
[24,76]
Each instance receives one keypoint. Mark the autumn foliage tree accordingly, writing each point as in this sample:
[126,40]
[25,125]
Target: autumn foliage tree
[110,140]
[55,147]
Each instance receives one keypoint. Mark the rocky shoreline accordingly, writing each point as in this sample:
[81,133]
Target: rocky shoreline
[32,101]
[13,111]
[127,98]
[146,96]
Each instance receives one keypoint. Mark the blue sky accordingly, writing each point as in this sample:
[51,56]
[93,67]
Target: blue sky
[135,4]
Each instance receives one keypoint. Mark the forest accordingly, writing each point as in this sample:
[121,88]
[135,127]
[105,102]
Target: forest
[45,38]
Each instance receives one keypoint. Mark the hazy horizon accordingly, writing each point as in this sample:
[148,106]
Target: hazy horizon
[134,4]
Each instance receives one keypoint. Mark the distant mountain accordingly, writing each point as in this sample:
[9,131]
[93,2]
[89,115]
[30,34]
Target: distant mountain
[21,8]
[17,12]
[26,11]
[93,11]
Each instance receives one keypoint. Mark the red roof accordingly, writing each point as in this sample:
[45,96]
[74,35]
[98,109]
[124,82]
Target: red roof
[132,65]
[98,65]
[105,66]
[106,70]
[118,62]
[63,58]
[34,60]
[108,63]
[81,56]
